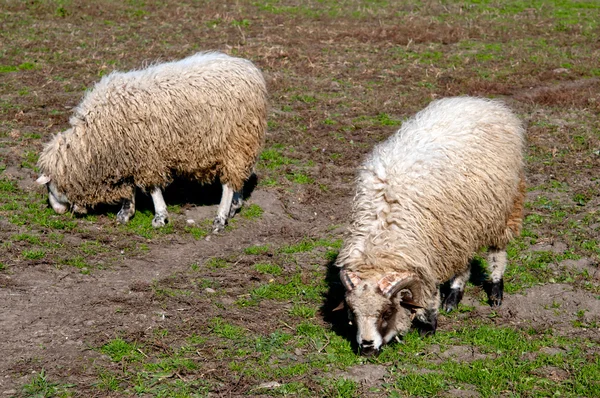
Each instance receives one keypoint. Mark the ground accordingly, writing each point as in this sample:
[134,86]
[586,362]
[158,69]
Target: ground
[91,308]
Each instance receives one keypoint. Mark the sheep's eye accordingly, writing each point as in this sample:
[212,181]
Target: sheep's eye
[386,314]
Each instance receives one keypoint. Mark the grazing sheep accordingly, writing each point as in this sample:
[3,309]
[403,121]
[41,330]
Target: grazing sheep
[201,117]
[449,183]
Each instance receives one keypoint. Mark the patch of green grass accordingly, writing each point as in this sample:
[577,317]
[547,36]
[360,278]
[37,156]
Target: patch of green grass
[251,212]
[307,245]
[141,224]
[267,268]
[120,350]
[295,289]
[34,254]
[223,329]
[25,237]
[216,263]
[257,250]
[2,266]
[198,232]
[299,177]
[303,311]
[108,381]
[40,386]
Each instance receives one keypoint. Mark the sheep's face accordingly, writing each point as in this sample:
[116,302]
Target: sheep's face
[379,309]
[58,200]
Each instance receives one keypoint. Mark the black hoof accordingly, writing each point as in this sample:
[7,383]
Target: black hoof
[452,299]
[427,328]
[496,293]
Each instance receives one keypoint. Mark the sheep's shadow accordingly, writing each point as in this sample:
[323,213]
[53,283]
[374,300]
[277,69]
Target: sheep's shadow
[330,309]
[187,192]
[181,192]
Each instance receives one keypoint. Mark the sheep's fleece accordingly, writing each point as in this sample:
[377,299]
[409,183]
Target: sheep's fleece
[201,117]
[447,184]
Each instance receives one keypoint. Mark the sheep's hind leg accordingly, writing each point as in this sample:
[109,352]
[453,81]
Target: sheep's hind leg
[457,289]
[496,259]
[161,216]
[127,209]
[236,203]
[224,209]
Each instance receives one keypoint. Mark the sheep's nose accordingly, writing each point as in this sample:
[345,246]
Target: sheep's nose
[367,348]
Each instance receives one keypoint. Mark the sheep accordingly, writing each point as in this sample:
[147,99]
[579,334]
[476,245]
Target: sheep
[201,117]
[449,183]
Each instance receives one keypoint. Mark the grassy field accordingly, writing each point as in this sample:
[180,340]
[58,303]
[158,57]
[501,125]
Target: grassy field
[91,308]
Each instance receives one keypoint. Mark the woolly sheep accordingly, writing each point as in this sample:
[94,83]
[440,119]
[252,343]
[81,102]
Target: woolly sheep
[201,117]
[449,183]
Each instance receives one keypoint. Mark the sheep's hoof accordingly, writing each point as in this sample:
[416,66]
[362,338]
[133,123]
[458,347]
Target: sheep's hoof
[452,299]
[428,326]
[236,204]
[496,293]
[218,225]
[160,220]
[123,217]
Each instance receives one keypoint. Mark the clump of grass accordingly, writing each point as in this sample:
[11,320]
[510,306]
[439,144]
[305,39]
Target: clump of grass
[251,212]
[256,250]
[267,268]
[34,254]
[40,386]
[120,350]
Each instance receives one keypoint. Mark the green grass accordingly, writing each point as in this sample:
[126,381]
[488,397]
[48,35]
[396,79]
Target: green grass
[33,254]
[267,268]
[251,212]
[141,224]
[40,386]
[257,250]
[119,350]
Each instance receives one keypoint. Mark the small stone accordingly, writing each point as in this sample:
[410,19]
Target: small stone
[190,222]
[210,290]
[270,384]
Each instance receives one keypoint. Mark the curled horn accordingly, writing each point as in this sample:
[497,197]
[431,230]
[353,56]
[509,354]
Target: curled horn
[349,279]
[394,282]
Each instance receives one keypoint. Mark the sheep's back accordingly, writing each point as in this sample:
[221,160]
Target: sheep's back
[187,117]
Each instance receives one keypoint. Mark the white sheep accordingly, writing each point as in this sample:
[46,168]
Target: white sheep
[202,117]
[449,183]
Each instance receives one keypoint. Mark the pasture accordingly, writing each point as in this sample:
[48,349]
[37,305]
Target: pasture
[91,308]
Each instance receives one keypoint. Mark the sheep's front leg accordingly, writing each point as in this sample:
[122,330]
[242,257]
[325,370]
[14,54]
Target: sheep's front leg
[161,216]
[496,259]
[457,289]
[426,318]
[127,209]
[224,209]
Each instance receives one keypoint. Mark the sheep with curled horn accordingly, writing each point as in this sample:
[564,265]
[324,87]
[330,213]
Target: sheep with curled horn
[449,183]
[202,117]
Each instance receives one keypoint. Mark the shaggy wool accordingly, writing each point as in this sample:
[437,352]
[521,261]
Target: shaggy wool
[201,117]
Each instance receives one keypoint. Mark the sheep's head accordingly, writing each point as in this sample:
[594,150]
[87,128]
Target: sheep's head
[58,200]
[381,309]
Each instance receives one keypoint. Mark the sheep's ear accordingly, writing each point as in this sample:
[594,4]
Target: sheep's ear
[43,179]
[405,283]
[349,279]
